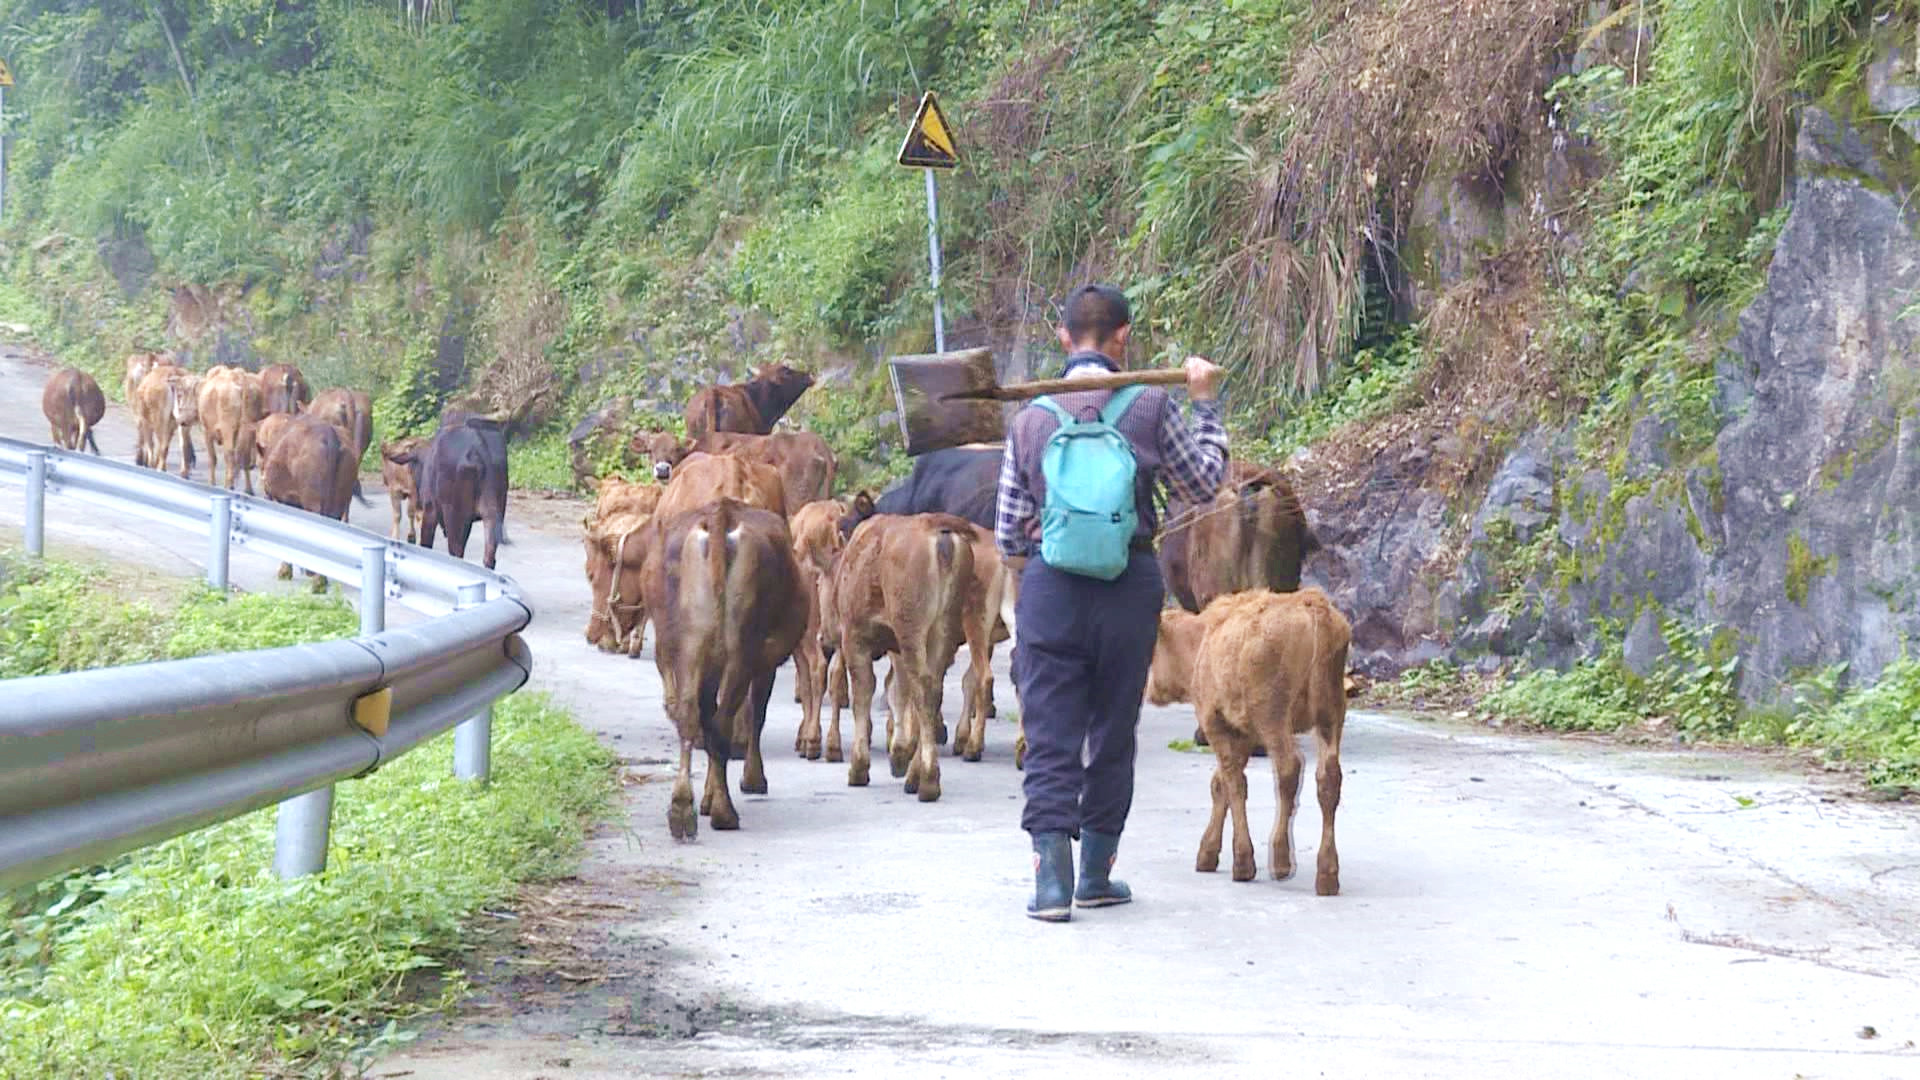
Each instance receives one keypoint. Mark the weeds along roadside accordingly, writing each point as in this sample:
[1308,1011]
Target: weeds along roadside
[189,958]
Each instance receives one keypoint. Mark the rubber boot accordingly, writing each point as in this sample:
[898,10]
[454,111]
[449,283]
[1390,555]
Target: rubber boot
[1052,878]
[1097,853]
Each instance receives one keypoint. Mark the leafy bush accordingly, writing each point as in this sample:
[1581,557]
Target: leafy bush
[1877,726]
[540,463]
[1692,687]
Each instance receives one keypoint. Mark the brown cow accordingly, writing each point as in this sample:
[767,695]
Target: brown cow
[398,478]
[899,588]
[1261,668]
[1252,535]
[283,389]
[749,408]
[816,544]
[73,403]
[349,410]
[617,494]
[137,366]
[230,411]
[310,466]
[703,479]
[805,461]
[166,403]
[615,557]
[724,587]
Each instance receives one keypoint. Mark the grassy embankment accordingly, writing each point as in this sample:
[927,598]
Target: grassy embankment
[189,958]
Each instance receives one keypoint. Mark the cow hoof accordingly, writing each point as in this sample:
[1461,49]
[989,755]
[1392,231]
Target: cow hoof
[682,822]
[1243,870]
[1326,884]
[929,791]
[1281,873]
[857,776]
[812,753]
[1199,737]
[898,765]
[834,755]
[993,712]
[912,786]
[974,755]
[940,733]
[753,787]
[1207,863]
[726,821]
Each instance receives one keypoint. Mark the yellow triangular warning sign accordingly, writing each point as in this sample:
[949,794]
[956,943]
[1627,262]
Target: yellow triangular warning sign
[929,143]
[6,76]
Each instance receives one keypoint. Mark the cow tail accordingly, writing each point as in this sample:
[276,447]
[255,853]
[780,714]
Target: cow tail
[286,391]
[713,412]
[954,558]
[73,409]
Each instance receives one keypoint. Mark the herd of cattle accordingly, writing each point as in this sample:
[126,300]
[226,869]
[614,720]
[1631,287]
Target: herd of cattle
[742,557]
[308,447]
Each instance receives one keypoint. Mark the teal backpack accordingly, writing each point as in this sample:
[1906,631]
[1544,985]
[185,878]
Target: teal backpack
[1088,520]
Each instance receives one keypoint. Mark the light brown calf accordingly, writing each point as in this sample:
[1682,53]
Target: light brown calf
[72,403]
[804,460]
[703,479]
[725,589]
[166,403]
[899,588]
[138,364]
[229,412]
[816,544]
[1261,668]
[397,476]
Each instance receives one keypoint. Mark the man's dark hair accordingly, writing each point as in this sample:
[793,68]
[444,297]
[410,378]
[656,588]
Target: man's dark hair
[1095,313]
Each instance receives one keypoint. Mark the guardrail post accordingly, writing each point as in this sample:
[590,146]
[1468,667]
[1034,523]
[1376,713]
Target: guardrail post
[473,739]
[373,589]
[300,833]
[36,503]
[217,542]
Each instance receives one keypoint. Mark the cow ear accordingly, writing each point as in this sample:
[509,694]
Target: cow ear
[404,457]
[863,503]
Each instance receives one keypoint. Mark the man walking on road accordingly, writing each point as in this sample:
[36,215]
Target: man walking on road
[1091,592]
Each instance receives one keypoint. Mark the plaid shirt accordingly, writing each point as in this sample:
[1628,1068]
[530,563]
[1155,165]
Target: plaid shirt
[1191,461]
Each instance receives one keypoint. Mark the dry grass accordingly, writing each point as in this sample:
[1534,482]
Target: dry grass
[522,318]
[1388,92]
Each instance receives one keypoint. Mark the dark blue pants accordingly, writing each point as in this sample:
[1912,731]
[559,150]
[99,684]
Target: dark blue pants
[1081,667]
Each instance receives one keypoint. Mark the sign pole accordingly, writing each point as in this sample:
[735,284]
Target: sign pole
[933,255]
[3,150]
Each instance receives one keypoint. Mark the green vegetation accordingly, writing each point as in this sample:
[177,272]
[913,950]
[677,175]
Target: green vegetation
[189,958]
[1690,688]
[1875,726]
[1803,568]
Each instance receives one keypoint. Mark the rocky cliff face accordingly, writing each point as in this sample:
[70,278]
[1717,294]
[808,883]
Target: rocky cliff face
[1796,533]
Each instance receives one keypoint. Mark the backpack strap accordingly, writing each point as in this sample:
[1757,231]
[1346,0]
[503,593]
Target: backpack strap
[1120,402]
[1053,407]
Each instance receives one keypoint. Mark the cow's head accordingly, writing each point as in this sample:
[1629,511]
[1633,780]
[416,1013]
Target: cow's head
[1170,677]
[861,510]
[663,448]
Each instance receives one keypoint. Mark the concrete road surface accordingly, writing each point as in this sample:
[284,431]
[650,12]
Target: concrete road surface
[1512,906]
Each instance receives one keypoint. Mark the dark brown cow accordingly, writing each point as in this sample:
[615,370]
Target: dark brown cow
[310,465]
[805,461]
[751,407]
[1252,535]
[73,403]
[725,590]
[459,478]
[899,589]
[283,389]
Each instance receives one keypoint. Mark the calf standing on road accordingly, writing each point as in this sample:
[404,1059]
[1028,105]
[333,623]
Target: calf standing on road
[1089,602]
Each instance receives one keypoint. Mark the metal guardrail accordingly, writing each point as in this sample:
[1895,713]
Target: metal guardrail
[96,763]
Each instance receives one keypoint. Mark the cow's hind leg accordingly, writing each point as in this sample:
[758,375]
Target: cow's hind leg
[1243,864]
[1287,766]
[753,717]
[859,670]
[900,744]
[923,711]
[1326,876]
[837,697]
